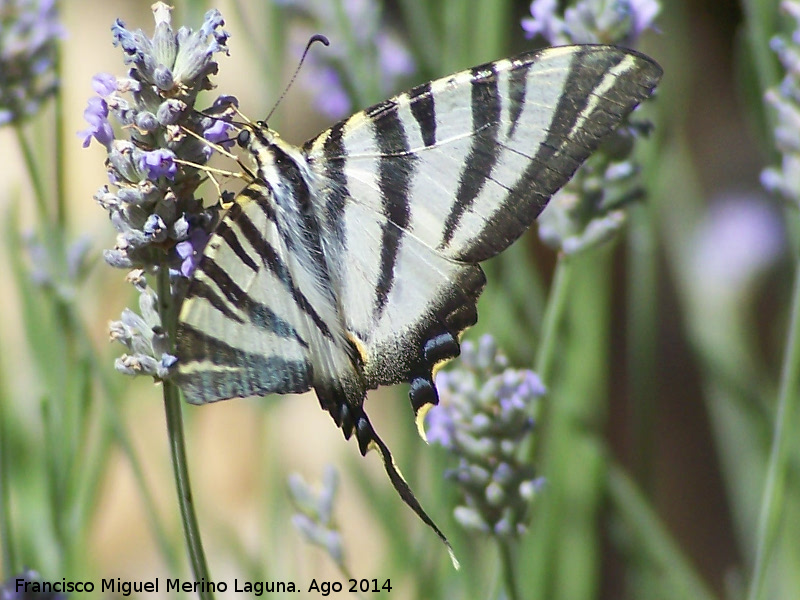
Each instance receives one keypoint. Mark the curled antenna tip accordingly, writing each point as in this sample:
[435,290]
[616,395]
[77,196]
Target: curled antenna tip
[318,37]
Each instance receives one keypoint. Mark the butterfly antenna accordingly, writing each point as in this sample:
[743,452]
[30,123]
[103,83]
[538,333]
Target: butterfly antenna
[317,37]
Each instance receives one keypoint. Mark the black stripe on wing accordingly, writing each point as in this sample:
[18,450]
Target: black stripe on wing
[224,231]
[256,374]
[337,194]
[518,87]
[259,315]
[395,175]
[423,108]
[272,260]
[482,157]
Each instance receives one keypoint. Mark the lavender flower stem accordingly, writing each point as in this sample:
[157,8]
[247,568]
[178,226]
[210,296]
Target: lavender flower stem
[545,354]
[33,172]
[507,564]
[773,498]
[6,534]
[177,444]
[61,150]
[553,314]
[760,23]
[641,339]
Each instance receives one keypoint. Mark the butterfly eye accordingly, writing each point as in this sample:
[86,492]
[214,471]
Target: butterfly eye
[243,138]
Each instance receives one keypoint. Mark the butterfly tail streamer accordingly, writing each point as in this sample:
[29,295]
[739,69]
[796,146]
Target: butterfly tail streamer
[367,432]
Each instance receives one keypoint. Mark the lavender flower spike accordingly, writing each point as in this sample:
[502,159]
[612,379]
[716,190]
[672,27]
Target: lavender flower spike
[619,22]
[29,34]
[784,180]
[151,199]
[314,518]
[484,417]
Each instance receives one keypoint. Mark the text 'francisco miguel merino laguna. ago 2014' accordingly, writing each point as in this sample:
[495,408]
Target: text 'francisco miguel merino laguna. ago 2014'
[255,588]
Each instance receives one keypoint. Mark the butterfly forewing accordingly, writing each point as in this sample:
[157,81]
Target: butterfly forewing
[419,188]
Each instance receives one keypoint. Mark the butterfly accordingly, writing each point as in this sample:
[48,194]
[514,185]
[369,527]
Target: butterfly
[352,262]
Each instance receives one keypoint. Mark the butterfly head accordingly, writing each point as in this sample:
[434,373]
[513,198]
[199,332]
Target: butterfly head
[280,165]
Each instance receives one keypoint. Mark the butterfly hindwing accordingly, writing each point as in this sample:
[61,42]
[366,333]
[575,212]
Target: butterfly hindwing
[242,329]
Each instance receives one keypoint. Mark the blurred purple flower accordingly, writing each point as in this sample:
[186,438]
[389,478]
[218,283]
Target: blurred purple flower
[393,57]
[29,35]
[543,21]
[364,61]
[314,518]
[740,237]
[14,588]
[328,92]
[619,22]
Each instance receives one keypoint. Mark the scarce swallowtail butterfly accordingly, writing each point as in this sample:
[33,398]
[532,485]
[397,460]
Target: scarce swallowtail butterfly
[353,261]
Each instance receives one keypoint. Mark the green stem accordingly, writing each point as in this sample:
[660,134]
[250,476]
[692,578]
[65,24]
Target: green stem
[507,566]
[641,339]
[61,181]
[177,444]
[773,497]
[554,312]
[761,19]
[6,534]
[541,547]
[33,172]
[546,352]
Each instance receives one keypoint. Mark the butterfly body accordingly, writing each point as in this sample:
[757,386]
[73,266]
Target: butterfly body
[353,262]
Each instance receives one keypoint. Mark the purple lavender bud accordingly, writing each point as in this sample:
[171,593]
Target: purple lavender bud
[643,13]
[146,121]
[170,111]
[191,250]
[218,132]
[96,114]
[104,84]
[159,163]
[155,229]
[118,259]
[543,21]
[163,79]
